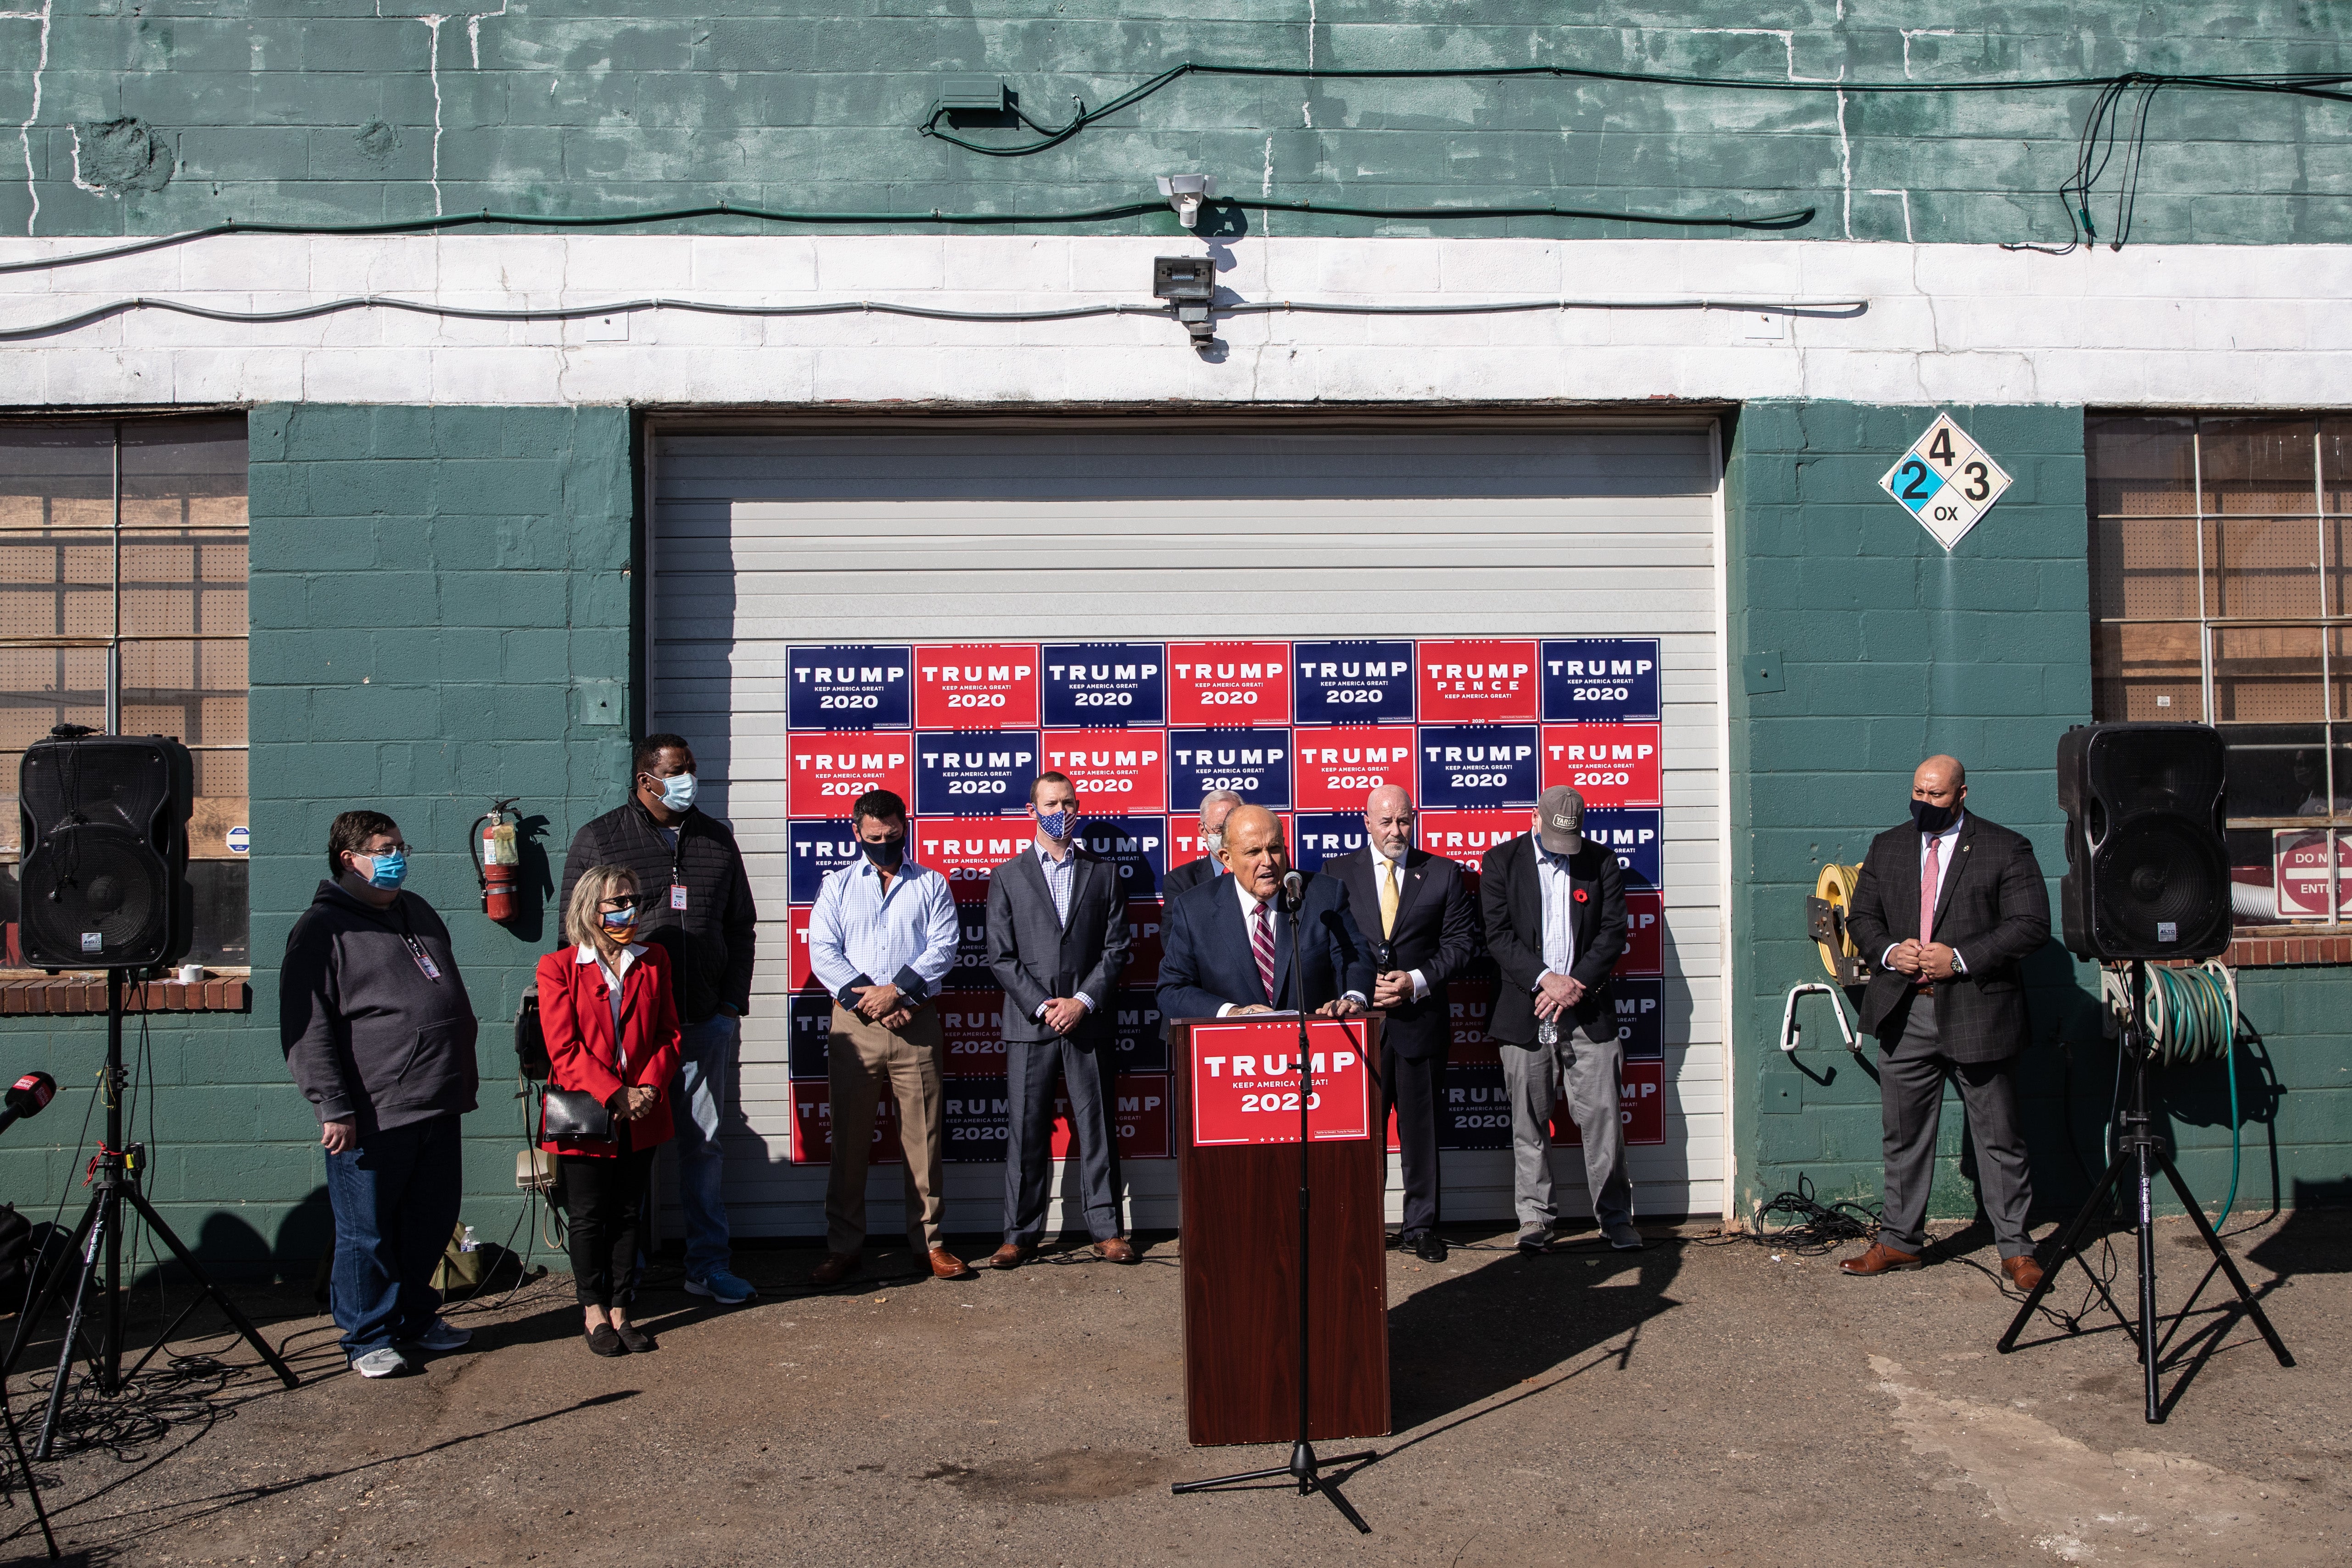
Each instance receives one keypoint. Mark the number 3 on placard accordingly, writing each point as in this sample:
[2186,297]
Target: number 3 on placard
[1980,482]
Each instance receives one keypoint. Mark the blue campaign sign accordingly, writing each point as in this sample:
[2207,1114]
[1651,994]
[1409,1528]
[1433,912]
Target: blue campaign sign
[851,688]
[818,848]
[811,1020]
[1089,685]
[1324,835]
[1136,845]
[972,1114]
[1640,1017]
[1252,763]
[973,773]
[1351,682]
[1639,837]
[1476,1113]
[1603,680]
[1467,766]
[1138,1046]
[971,949]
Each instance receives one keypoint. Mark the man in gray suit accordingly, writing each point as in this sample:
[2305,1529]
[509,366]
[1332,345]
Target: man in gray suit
[1056,942]
[1946,908]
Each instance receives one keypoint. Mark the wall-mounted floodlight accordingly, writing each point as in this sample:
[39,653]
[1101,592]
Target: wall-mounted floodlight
[1185,193]
[1188,283]
[973,94]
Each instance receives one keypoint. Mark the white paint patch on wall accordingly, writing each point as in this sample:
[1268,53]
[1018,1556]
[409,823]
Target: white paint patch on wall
[2252,326]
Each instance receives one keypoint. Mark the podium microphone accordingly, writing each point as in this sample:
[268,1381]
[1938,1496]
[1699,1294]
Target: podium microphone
[26,1097]
[1294,890]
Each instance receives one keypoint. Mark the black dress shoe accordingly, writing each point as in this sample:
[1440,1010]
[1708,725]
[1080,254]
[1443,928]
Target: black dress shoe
[1429,1246]
[605,1342]
[639,1341]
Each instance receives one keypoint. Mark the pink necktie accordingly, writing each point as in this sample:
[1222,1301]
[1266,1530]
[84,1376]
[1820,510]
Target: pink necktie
[1928,896]
[1262,943]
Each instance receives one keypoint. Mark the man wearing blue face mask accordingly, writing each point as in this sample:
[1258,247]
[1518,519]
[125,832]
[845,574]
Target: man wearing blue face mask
[1946,908]
[698,909]
[379,1035]
[1056,942]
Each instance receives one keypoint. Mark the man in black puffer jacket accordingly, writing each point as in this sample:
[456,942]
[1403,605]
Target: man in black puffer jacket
[379,1034]
[696,905]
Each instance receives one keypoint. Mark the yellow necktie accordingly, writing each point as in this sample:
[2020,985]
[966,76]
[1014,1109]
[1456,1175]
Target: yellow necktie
[1388,896]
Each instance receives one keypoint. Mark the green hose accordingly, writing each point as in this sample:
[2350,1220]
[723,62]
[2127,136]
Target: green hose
[2191,1015]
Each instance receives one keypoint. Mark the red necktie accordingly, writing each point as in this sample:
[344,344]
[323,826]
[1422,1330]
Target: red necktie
[1261,944]
[1927,895]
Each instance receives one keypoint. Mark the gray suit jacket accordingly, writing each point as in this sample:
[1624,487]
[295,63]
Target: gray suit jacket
[1035,957]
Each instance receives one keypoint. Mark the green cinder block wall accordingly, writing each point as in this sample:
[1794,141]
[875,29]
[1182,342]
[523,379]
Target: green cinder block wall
[1892,649]
[436,595]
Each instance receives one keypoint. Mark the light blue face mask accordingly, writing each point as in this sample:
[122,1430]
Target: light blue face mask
[678,791]
[1058,825]
[388,871]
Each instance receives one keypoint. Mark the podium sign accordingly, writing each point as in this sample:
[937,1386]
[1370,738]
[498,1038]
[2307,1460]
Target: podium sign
[1246,1091]
[1238,1156]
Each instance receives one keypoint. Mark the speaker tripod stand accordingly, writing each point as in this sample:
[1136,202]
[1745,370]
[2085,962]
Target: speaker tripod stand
[2141,1152]
[98,1280]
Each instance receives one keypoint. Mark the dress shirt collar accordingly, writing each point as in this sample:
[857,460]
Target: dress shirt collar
[1947,835]
[1046,861]
[1250,902]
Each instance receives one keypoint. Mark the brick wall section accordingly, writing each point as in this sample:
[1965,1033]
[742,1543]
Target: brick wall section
[427,585]
[347,110]
[1891,650]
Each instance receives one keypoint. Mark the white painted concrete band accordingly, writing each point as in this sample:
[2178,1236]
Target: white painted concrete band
[2254,326]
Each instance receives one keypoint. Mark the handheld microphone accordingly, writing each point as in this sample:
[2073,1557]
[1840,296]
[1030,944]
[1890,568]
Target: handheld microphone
[26,1097]
[1293,890]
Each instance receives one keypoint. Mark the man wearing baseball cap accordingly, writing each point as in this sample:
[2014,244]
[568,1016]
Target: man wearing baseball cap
[1555,910]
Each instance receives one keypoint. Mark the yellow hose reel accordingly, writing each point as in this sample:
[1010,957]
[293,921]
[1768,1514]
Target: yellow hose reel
[1825,914]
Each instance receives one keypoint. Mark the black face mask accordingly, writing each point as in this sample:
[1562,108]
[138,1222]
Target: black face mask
[1933,819]
[885,856]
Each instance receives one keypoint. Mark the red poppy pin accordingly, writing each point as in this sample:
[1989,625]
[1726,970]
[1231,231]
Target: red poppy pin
[1579,895]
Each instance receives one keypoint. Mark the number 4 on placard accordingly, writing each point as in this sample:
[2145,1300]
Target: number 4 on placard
[1947,481]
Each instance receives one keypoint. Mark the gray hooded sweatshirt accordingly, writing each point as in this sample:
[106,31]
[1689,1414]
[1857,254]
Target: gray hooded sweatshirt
[369,1035]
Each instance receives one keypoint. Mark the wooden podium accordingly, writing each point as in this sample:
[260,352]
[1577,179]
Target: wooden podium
[1237,1161]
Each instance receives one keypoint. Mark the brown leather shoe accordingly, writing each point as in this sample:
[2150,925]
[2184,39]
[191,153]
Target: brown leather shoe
[1012,1255]
[1880,1259]
[2023,1272]
[837,1267]
[1118,1249]
[946,1265]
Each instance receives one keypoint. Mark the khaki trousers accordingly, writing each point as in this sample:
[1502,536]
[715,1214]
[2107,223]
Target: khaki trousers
[863,1057]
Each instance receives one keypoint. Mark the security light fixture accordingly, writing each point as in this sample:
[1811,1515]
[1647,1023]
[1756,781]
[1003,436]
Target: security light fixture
[1188,283]
[971,94]
[1185,193]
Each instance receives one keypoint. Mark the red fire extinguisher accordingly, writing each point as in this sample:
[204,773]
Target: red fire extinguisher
[497,859]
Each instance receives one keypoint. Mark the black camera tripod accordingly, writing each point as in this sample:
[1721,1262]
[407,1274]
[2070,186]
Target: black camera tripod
[2140,1152]
[98,1242]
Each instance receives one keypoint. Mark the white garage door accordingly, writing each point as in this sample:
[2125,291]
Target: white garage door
[1469,544]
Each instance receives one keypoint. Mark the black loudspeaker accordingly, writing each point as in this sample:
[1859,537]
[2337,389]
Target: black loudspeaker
[104,881]
[2147,872]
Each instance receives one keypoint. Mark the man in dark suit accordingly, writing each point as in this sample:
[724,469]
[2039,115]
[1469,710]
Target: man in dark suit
[1945,907]
[1415,909]
[1228,945]
[1554,903]
[1056,942]
[1216,807]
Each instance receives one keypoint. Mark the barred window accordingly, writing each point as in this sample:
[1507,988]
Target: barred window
[2218,581]
[122,585]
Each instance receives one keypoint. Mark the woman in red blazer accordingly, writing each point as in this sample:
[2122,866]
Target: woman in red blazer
[612,1029]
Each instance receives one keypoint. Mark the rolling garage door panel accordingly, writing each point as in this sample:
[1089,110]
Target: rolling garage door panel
[762,540]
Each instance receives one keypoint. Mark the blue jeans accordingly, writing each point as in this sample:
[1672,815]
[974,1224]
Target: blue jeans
[704,1095]
[396,1201]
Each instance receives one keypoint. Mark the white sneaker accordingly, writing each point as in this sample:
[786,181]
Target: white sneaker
[443,1335]
[384,1363]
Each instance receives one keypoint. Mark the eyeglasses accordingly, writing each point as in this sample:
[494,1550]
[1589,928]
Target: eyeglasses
[619,901]
[386,849]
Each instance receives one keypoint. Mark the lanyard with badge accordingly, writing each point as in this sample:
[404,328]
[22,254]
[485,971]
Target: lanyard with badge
[424,963]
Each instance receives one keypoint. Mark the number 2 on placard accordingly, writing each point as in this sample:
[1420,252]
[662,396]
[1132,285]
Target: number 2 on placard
[1917,475]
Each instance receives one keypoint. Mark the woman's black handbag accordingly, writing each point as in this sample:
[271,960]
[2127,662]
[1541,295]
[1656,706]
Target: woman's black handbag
[530,1040]
[573,1114]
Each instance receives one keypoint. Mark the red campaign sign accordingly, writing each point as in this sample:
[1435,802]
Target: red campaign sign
[1477,680]
[1645,934]
[813,1126]
[1468,1007]
[965,849]
[798,975]
[830,770]
[976,686]
[1229,683]
[1142,944]
[1140,1118]
[1608,764]
[1184,835]
[1642,1088]
[1117,772]
[1467,836]
[1334,769]
[1246,1081]
[973,1024]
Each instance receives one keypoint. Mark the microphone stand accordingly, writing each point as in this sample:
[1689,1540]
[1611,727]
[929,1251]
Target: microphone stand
[1305,1467]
